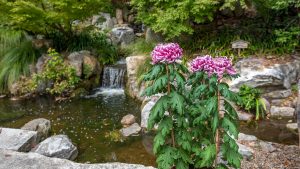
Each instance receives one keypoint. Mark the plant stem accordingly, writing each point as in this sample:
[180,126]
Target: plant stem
[169,91]
[217,138]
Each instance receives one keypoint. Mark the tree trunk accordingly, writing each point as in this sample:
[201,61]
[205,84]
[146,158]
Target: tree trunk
[298,110]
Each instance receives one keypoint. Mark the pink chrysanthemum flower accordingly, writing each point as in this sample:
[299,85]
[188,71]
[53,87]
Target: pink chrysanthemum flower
[166,53]
[218,66]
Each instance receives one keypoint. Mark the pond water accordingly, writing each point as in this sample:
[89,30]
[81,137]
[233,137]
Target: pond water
[87,121]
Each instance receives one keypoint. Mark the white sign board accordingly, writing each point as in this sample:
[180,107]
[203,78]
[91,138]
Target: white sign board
[240,44]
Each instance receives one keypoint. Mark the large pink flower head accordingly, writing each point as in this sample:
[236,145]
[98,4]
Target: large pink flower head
[166,53]
[218,66]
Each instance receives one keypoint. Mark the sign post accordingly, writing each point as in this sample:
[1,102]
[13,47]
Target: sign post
[239,44]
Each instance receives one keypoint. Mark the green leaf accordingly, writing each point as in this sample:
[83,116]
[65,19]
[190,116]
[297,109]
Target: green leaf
[160,83]
[158,111]
[159,140]
[199,90]
[230,126]
[165,126]
[167,157]
[207,156]
[177,102]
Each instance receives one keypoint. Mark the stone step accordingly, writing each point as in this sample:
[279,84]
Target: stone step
[17,139]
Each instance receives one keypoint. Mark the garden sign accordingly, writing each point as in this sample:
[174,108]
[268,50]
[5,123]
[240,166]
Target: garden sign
[239,44]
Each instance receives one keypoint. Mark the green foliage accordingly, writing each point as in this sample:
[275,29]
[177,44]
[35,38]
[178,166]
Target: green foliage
[251,101]
[18,55]
[41,17]
[87,39]
[61,77]
[140,46]
[206,96]
[192,130]
[174,124]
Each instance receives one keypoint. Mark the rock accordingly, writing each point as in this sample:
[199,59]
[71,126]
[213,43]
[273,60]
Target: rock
[103,21]
[17,139]
[91,66]
[149,103]
[41,63]
[245,151]
[131,18]
[267,147]
[282,111]
[151,36]
[119,16]
[79,92]
[278,94]
[134,129]
[128,120]
[253,73]
[123,35]
[245,137]
[133,87]
[41,125]
[17,160]
[58,146]
[75,59]
[84,63]
[292,126]
[243,116]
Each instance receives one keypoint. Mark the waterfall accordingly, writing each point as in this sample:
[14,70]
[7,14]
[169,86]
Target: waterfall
[113,80]
[113,77]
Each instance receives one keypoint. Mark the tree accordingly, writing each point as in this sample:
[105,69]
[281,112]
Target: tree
[172,18]
[42,17]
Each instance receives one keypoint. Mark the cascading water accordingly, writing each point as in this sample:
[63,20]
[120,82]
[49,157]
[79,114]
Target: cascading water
[112,80]
[113,77]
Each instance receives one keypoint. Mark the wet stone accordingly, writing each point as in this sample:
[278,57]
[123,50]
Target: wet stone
[17,139]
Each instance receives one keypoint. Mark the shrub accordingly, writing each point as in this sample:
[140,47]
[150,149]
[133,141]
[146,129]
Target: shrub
[17,53]
[251,101]
[62,77]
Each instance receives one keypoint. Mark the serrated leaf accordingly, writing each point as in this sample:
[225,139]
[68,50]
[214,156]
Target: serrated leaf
[159,140]
[230,126]
[158,111]
[167,157]
[199,90]
[207,156]
[165,126]
[160,83]
[177,102]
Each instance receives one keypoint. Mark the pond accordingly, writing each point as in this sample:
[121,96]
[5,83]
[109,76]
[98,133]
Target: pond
[87,121]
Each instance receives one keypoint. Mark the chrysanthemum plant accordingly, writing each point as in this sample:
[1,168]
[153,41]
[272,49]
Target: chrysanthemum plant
[215,119]
[194,124]
[166,77]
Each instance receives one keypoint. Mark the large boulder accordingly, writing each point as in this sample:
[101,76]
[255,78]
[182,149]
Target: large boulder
[41,125]
[278,94]
[282,111]
[104,21]
[17,160]
[134,89]
[255,74]
[84,63]
[151,36]
[40,64]
[59,146]
[132,130]
[17,139]
[123,35]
